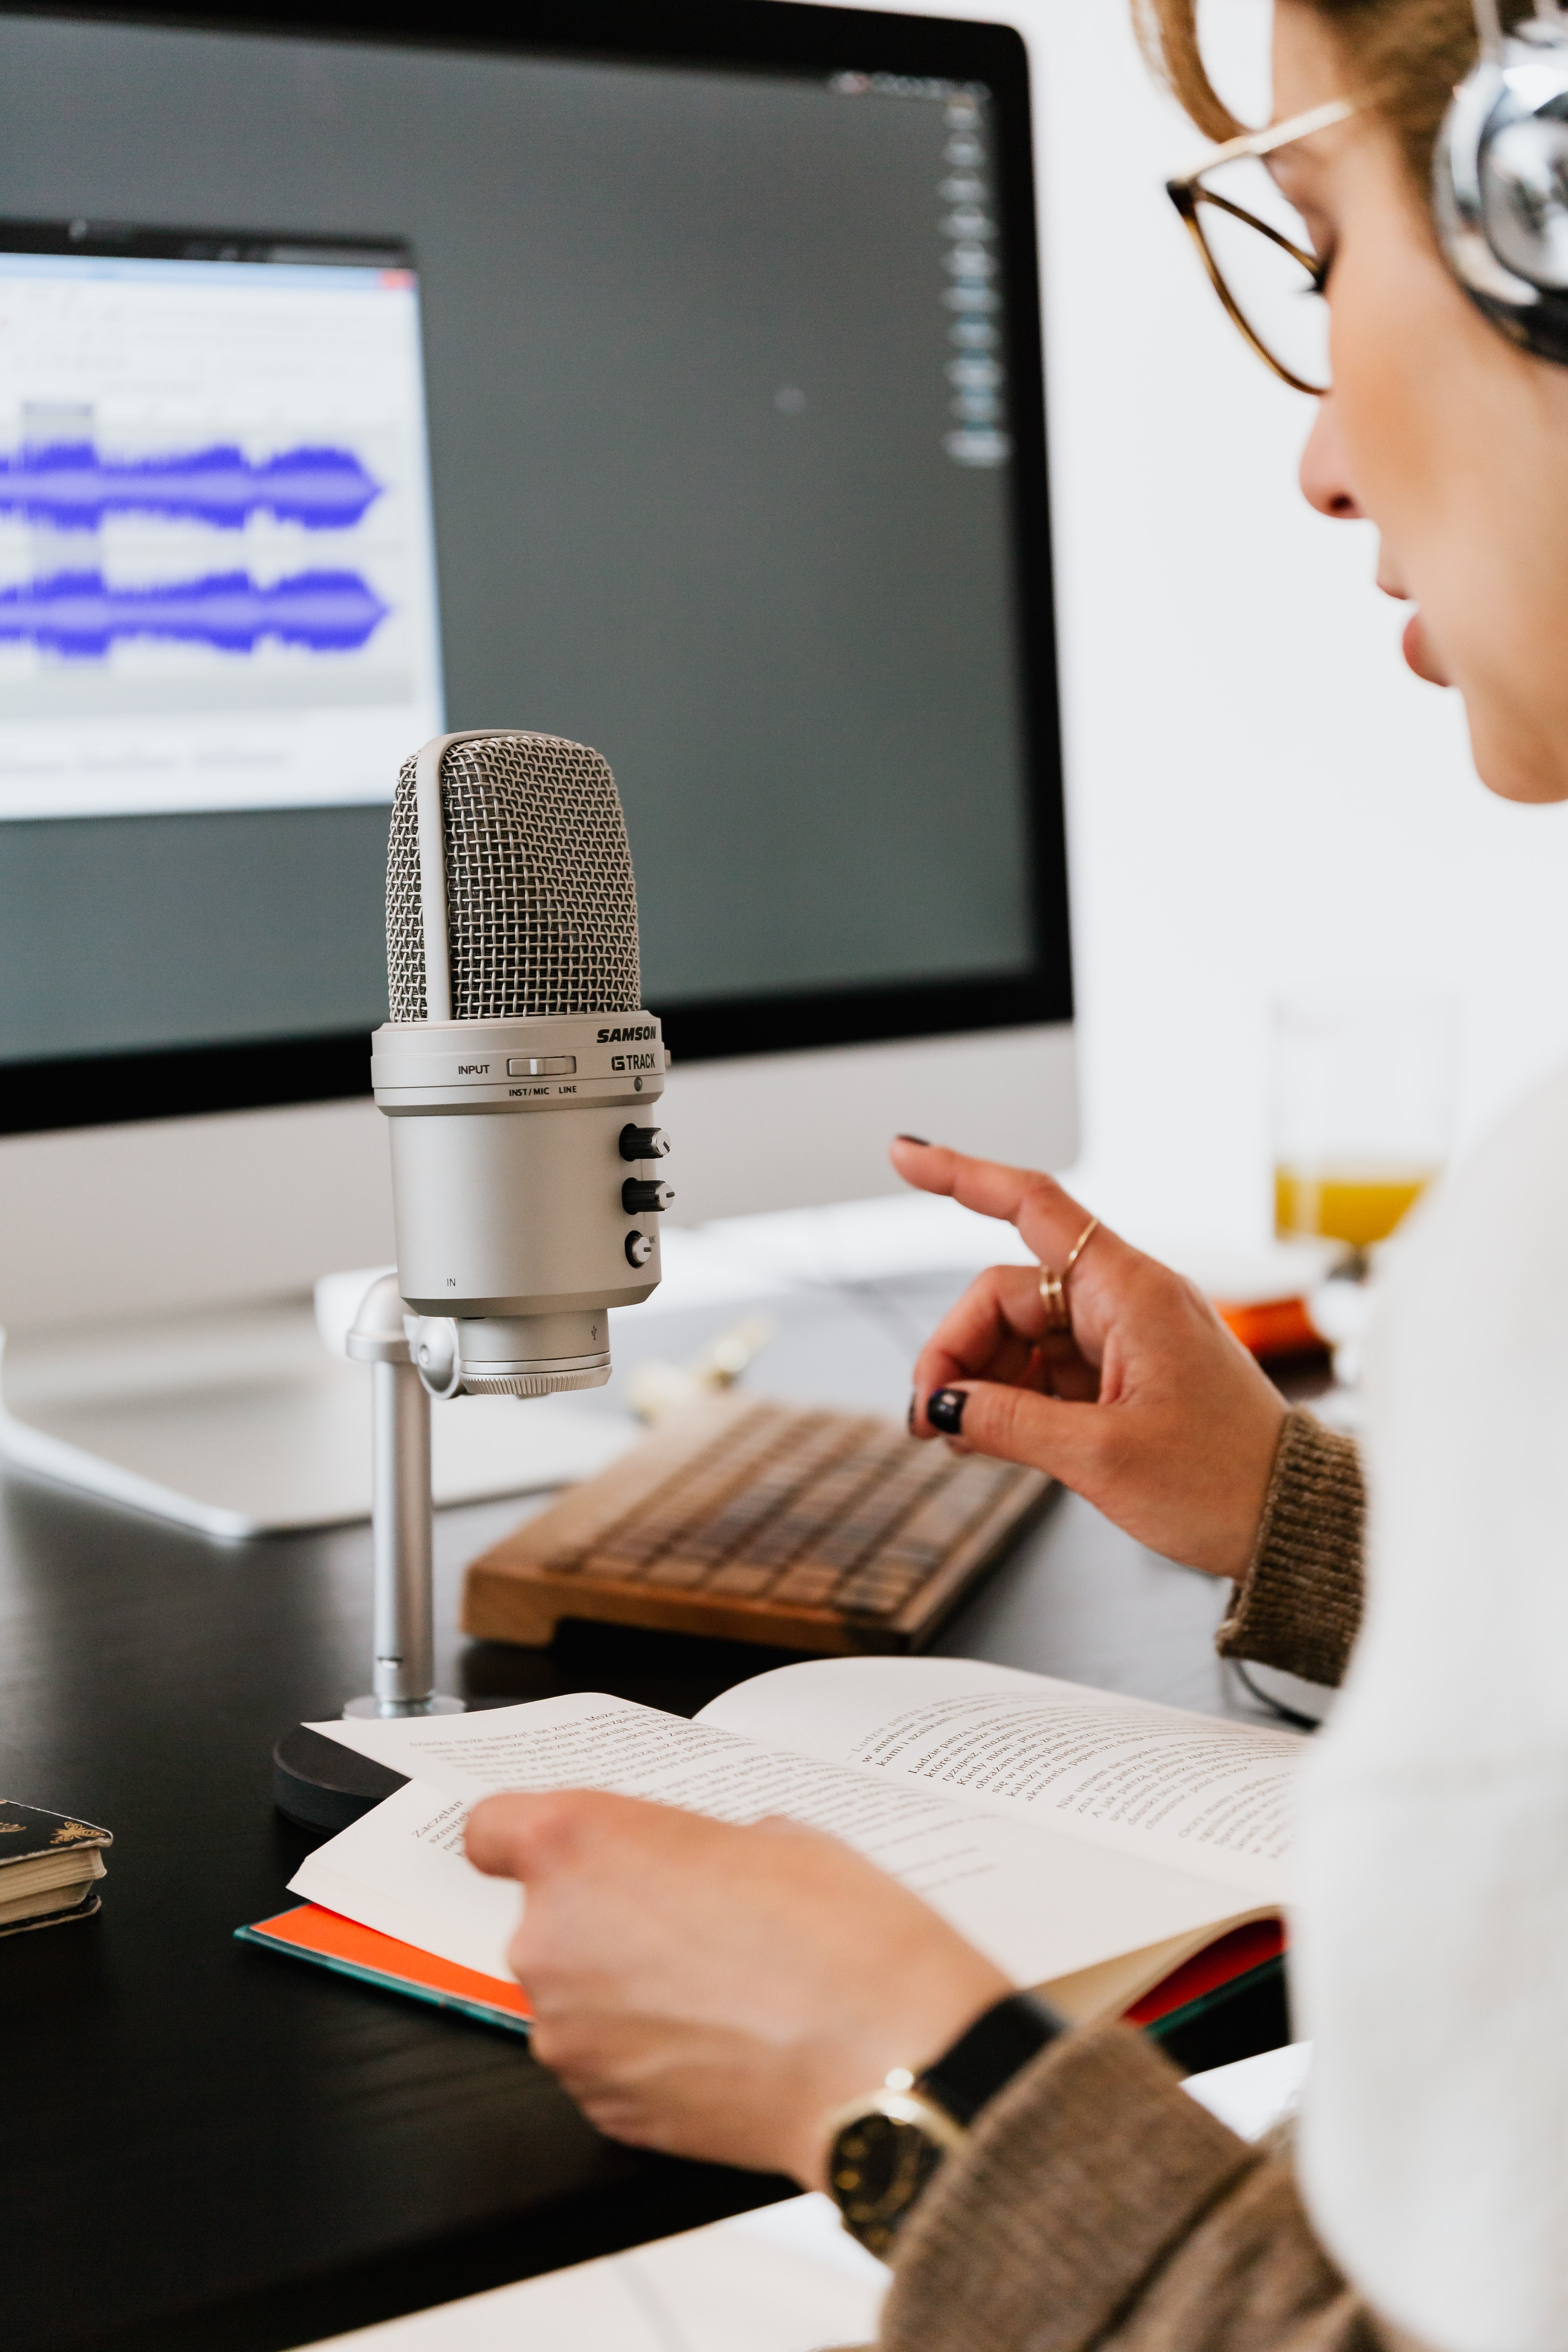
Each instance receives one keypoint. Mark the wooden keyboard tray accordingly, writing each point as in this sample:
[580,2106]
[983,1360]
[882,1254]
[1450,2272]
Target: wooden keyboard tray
[513,1592]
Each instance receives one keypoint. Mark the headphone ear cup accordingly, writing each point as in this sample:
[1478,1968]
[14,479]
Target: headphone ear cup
[1524,199]
[1500,185]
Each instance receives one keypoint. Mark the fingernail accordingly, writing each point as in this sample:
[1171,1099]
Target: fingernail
[945,1410]
[924,1141]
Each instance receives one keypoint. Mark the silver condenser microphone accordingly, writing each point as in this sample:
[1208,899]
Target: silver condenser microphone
[518,1072]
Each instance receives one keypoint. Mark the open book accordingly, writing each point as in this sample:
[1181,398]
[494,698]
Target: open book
[1088,1842]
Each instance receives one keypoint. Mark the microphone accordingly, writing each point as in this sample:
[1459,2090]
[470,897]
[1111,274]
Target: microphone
[518,1072]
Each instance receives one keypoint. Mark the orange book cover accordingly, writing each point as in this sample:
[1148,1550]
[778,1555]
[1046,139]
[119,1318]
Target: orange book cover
[312,1934]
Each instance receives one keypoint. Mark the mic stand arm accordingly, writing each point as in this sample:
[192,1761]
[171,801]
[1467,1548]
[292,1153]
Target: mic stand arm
[403,1670]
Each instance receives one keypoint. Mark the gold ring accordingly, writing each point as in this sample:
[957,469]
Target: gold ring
[1053,1286]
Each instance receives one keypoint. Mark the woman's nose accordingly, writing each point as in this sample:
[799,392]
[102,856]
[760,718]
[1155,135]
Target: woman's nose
[1325,483]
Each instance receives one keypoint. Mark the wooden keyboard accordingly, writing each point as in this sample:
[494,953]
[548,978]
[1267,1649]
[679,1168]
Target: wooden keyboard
[761,1522]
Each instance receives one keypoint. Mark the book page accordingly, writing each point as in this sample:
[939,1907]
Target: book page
[1041,1904]
[1194,1790]
[401,1868]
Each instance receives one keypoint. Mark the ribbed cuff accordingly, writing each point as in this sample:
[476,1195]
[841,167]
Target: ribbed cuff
[1299,1606]
[1078,2178]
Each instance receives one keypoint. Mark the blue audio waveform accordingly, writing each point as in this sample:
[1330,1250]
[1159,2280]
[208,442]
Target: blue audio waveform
[79,614]
[69,485]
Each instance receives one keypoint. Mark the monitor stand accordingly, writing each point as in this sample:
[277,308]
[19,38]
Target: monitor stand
[242,1422]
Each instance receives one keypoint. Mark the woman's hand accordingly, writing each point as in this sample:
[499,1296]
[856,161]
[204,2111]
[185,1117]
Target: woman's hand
[1150,1407]
[714,1991]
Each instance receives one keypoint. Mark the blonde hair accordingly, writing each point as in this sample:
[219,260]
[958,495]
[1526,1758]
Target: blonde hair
[1402,56]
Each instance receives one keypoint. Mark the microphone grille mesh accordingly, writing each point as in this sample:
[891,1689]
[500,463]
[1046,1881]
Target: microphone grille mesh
[542,910]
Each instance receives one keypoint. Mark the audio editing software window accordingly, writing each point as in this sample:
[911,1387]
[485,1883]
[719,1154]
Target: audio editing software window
[217,565]
[695,441]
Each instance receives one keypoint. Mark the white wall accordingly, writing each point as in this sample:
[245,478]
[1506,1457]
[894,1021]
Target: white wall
[1262,798]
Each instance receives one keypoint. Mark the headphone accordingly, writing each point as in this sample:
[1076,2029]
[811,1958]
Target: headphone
[1501,178]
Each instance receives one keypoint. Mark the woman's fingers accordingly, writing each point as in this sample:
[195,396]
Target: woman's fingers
[1048,1218]
[990,1334]
[1132,1463]
[1067,1439]
[516,1836]
[997,1332]
[1147,1407]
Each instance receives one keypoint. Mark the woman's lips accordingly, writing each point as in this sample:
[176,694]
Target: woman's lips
[1420,653]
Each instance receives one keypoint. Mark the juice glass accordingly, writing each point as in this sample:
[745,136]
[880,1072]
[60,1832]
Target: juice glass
[1364,1103]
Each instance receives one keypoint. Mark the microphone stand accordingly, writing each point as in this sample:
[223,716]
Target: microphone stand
[316,1782]
[403,1669]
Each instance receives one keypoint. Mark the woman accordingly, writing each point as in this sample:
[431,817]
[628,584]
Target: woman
[718,1991]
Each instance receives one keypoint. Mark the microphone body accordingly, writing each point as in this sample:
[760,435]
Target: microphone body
[519,1073]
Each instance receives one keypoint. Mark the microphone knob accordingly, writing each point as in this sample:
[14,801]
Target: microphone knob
[639,1249]
[639,1193]
[644,1143]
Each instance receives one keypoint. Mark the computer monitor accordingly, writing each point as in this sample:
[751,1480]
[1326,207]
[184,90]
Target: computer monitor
[666,377]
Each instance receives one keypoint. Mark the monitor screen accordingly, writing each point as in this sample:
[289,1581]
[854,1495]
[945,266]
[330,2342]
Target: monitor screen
[687,406]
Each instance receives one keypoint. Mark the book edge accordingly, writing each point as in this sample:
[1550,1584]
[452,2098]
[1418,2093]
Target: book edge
[386,1981]
[484,2013]
[1249,1980]
[60,1918]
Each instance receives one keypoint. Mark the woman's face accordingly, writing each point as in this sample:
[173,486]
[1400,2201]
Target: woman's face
[1451,441]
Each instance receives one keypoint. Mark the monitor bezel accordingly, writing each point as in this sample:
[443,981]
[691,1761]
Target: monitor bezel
[271,1073]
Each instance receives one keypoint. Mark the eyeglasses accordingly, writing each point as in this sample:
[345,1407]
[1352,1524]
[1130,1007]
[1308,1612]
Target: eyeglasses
[1256,248]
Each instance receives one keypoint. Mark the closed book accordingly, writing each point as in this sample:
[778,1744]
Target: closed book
[49,1866]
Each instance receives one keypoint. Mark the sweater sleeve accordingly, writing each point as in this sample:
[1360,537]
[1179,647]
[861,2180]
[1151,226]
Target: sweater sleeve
[1098,2205]
[1299,1606]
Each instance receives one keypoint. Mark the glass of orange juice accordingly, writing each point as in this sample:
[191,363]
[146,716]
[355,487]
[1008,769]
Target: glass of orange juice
[1364,1107]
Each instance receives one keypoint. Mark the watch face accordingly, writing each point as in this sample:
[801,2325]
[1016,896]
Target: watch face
[880,2167]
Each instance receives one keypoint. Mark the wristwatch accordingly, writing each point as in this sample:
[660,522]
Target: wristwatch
[885,2149]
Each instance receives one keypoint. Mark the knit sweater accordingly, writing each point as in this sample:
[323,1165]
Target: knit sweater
[1300,1604]
[1096,2204]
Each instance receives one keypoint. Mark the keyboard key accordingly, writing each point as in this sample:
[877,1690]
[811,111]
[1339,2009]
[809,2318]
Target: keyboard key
[876,1594]
[678,1571]
[805,1587]
[740,1583]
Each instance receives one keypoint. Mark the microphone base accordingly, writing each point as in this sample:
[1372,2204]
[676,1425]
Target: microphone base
[320,1786]
[383,1710]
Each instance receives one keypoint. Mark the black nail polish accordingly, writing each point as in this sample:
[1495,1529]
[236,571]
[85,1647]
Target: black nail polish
[922,1140]
[945,1410]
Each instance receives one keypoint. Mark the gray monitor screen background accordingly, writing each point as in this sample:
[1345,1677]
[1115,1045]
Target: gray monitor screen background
[687,366]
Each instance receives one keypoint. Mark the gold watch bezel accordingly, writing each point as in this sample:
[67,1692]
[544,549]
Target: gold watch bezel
[900,2108]
[875,2221]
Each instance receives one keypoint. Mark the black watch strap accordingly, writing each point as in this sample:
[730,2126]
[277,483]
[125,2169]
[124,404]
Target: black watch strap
[996,2047]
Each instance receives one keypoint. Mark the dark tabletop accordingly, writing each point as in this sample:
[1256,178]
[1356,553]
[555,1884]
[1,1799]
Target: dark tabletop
[202,2144]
